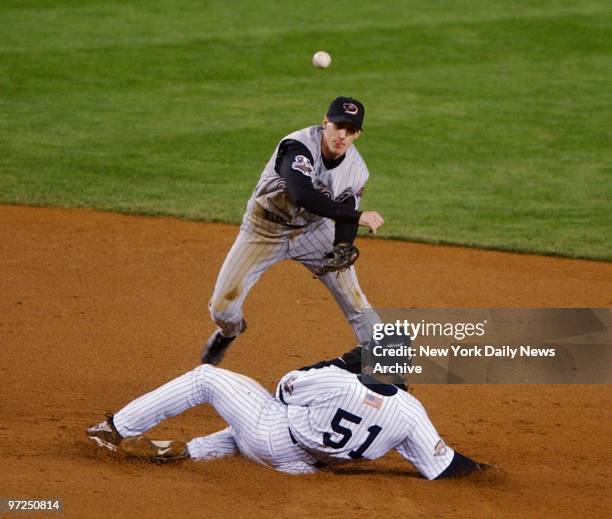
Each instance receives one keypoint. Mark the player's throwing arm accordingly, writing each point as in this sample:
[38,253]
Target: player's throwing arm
[371,220]
[304,208]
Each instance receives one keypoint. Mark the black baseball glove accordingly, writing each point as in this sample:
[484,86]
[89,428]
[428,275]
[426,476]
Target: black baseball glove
[340,258]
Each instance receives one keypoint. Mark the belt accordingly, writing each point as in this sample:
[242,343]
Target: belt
[317,464]
[273,217]
[292,437]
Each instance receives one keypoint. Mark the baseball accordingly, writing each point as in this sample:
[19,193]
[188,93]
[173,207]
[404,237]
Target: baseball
[321,59]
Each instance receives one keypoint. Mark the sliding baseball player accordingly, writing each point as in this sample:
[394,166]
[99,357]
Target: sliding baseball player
[320,415]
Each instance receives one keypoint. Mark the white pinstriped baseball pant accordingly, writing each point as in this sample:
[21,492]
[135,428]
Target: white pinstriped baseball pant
[258,424]
[261,244]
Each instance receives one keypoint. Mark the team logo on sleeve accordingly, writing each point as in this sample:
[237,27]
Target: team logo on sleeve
[288,385]
[343,196]
[440,448]
[319,186]
[303,165]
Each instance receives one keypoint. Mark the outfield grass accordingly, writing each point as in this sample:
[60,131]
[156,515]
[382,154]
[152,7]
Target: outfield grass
[488,123]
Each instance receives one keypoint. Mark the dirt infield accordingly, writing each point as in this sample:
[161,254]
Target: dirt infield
[97,308]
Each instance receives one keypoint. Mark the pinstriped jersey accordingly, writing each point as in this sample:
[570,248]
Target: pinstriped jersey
[335,417]
[346,180]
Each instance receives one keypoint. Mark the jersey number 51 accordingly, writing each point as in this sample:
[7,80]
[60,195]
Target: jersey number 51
[346,433]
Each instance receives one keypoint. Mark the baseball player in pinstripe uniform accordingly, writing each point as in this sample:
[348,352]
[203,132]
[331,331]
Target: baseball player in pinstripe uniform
[305,203]
[319,415]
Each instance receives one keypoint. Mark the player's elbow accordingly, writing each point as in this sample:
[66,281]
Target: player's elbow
[299,199]
[308,202]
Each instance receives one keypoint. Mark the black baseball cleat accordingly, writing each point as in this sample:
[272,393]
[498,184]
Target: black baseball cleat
[217,345]
[105,433]
[461,466]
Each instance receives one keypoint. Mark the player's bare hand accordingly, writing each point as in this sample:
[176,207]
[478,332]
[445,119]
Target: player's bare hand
[372,220]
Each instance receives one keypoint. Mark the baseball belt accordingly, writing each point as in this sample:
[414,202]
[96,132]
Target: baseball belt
[273,217]
[317,464]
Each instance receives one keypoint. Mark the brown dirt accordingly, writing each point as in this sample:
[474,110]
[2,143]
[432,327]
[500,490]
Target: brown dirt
[97,308]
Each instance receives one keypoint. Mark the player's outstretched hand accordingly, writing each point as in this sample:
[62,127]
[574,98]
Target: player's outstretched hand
[371,219]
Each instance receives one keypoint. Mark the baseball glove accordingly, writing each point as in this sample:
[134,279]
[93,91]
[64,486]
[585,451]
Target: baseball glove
[340,258]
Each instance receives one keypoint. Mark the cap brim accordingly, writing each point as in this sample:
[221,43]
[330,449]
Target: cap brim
[343,119]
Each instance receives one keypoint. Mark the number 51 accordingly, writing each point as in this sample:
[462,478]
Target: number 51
[346,433]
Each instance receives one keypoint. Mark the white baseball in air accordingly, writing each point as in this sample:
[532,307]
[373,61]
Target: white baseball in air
[321,59]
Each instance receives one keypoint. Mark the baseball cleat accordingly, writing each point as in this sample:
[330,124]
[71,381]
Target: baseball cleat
[158,451]
[217,345]
[105,434]
[493,470]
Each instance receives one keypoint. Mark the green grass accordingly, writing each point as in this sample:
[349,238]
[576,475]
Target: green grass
[487,123]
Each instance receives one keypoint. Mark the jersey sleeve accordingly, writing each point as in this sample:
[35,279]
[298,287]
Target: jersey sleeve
[294,388]
[294,163]
[346,232]
[302,388]
[422,446]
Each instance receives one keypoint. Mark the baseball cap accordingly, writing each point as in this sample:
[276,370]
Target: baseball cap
[346,110]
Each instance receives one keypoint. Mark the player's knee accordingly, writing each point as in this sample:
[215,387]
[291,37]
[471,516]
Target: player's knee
[203,380]
[201,374]
[226,299]
[204,369]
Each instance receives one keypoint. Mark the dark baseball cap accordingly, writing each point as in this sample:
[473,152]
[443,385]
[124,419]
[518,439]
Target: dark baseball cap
[346,110]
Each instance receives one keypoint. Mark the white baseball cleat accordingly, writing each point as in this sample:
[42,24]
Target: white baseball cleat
[154,450]
[105,434]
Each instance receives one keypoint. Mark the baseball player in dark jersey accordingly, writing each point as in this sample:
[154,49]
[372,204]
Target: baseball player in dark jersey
[323,414]
[305,203]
